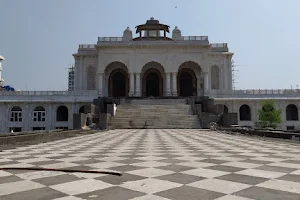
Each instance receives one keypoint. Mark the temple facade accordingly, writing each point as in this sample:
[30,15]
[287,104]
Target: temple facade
[153,64]
[152,61]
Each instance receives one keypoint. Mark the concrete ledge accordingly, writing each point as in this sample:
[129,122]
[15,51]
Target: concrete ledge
[38,137]
[264,133]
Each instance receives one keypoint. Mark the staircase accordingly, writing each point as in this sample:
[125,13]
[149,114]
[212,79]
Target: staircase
[154,114]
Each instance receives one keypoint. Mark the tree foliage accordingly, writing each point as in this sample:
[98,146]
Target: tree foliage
[269,116]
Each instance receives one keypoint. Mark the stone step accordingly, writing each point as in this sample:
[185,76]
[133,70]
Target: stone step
[156,127]
[155,113]
[148,117]
[152,113]
[155,101]
[153,107]
[154,122]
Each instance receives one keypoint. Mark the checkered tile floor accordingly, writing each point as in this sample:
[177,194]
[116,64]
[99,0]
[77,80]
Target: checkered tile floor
[156,165]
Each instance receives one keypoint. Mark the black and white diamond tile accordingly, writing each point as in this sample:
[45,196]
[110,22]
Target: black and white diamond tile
[156,165]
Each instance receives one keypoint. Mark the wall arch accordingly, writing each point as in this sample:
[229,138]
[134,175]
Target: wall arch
[245,113]
[215,77]
[91,77]
[62,114]
[292,113]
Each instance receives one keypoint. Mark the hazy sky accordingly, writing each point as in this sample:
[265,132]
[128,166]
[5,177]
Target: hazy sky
[38,37]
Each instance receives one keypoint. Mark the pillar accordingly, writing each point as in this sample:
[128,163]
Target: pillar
[168,84]
[1,82]
[49,117]
[225,74]
[137,84]
[81,69]
[100,84]
[131,92]
[174,84]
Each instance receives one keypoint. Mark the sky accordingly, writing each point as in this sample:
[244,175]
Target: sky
[38,37]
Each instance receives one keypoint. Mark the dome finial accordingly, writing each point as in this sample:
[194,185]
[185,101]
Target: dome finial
[152,18]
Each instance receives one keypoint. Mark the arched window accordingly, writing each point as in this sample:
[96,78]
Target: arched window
[39,114]
[91,78]
[16,114]
[215,78]
[291,113]
[62,114]
[245,113]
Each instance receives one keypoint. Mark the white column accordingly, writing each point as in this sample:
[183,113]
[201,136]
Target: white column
[76,74]
[81,74]
[168,88]
[221,79]
[49,117]
[174,84]
[100,84]
[225,75]
[131,92]
[137,85]
[1,72]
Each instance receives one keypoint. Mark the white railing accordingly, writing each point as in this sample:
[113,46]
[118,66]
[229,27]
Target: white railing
[255,93]
[49,93]
[216,45]
[213,93]
[193,38]
[87,46]
[110,39]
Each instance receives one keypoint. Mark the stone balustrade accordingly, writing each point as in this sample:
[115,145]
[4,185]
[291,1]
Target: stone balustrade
[90,94]
[110,39]
[254,93]
[195,38]
[87,46]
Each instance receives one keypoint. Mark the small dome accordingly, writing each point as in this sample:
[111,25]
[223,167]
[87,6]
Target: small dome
[152,21]
[176,29]
[1,58]
[127,29]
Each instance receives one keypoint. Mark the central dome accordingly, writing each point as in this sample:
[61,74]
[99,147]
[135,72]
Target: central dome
[152,30]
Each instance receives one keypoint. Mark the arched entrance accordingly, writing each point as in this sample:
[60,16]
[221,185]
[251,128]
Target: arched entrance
[152,76]
[118,83]
[187,83]
[189,80]
[152,83]
[116,80]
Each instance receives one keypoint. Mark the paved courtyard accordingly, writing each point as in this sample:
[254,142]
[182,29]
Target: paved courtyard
[156,165]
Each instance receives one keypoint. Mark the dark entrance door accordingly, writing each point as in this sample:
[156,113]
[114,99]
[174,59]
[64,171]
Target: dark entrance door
[186,84]
[119,85]
[152,84]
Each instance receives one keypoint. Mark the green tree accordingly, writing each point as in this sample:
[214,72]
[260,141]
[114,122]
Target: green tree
[269,116]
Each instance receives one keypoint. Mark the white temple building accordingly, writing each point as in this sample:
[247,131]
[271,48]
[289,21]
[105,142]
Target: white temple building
[146,63]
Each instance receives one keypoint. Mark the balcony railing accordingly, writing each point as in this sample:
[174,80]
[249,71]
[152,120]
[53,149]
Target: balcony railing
[110,39]
[220,47]
[268,93]
[214,45]
[87,46]
[275,93]
[49,93]
[195,38]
